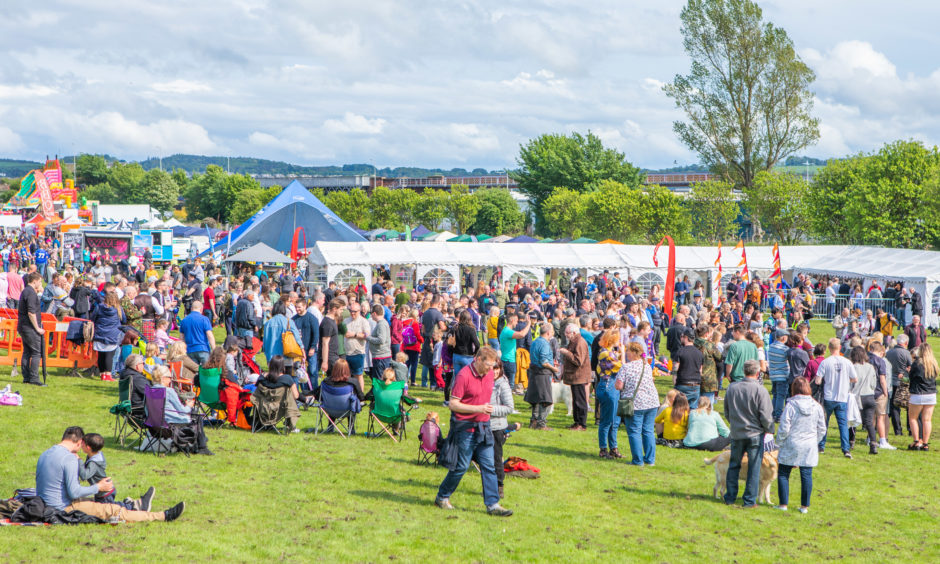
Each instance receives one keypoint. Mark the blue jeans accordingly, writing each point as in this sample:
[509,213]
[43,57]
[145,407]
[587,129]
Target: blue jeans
[477,446]
[691,393]
[493,343]
[427,375]
[461,360]
[412,365]
[378,367]
[313,372]
[831,310]
[780,390]
[841,410]
[199,357]
[642,437]
[509,369]
[754,447]
[607,397]
[356,364]
[245,332]
[783,484]
[709,395]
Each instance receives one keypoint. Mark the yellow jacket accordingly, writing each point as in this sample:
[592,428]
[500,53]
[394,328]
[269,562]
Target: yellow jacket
[491,324]
[673,431]
[522,367]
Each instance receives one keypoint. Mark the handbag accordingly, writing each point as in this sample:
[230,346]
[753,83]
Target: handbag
[625,405]
[902,395]
[292,349]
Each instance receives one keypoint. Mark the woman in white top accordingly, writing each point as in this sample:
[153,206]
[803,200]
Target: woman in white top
[635,380]
[802,426]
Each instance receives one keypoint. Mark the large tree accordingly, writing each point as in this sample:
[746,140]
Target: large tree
[614,211]
[432,208]
[713,209]
[778,202]
[462,207]
[126,179]
[747,99]
[159,190]
[498,213]
[577,162]
[564,213]
[662,213]
[879,199]
[91,169]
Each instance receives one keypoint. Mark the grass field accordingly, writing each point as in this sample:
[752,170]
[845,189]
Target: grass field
[301,498]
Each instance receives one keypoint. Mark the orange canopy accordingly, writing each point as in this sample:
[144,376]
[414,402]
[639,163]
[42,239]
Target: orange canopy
[609,242]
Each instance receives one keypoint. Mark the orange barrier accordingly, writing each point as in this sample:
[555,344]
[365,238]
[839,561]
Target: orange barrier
[60,352]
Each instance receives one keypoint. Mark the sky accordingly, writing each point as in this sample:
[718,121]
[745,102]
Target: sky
[423,82]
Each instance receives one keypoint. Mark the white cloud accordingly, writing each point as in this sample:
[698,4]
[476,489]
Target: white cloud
[25,90]
[354,124]
[180,86]
[10,142]
[167,135]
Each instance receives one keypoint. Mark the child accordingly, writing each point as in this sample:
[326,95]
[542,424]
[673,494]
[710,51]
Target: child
[437,338]
[675,422]
[95,469]
[231,362]
[162,338]
[492,325]
[152,357]
[392,374]
[667,403]
[400,365]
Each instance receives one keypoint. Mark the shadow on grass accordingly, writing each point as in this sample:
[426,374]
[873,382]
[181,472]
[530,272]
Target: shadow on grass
[675,494]
[385,495]
[547,449]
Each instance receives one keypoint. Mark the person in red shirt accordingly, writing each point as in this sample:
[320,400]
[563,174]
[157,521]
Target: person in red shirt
[208,299]
[470,431]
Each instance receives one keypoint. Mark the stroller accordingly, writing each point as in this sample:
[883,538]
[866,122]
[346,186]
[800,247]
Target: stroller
[245,365]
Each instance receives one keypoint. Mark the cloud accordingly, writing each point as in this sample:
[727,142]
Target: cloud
[167,135]
[180,86]
[354,124]
[10,142]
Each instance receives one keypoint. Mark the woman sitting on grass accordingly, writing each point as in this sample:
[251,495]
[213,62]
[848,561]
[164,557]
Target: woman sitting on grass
[707,430]
[675,420]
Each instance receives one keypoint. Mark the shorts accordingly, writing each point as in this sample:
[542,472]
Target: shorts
[923,399]
[356,363]
[882,404]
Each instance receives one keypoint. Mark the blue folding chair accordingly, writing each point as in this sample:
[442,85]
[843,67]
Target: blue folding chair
[337,410]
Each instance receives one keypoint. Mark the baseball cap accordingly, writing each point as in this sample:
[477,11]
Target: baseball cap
[781,333]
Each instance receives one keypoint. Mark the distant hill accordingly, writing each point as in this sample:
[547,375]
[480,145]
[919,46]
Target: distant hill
[249,165]
[10,168]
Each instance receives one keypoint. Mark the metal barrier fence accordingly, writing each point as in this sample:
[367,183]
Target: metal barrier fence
[822,310]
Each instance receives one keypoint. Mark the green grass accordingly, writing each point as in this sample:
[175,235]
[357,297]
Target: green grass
[304,498]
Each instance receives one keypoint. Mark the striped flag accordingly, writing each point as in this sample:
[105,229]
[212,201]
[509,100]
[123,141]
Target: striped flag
[777,275]
[717,292]
[744,273]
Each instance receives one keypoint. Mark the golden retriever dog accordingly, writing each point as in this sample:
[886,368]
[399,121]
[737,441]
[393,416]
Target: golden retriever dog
[768,473]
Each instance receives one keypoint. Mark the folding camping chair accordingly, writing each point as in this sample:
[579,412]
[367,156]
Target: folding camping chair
[209,400]
[429,445]
[338,406]
[271,406]
[180,384]
[125,425]
[157,426]
[388,410]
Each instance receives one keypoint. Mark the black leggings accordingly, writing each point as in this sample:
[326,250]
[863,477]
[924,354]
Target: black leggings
[499,439]
[714,445]
[106,360]
[869,407]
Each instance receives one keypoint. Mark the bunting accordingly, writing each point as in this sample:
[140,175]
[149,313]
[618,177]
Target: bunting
[669,291]
[717,292]
[778,274]
[745,277]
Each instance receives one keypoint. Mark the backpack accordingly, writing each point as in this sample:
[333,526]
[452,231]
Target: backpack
[500,324]
[408,336]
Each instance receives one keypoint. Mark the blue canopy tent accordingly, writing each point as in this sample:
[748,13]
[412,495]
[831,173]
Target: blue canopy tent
[523,239]
[419,231]
[275,224]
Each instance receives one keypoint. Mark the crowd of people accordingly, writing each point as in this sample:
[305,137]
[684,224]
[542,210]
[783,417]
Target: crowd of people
[482,343]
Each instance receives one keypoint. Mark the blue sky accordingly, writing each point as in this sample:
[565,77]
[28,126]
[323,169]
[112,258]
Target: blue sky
[423,82]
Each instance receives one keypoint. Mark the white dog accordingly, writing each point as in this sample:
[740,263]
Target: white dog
[561,393]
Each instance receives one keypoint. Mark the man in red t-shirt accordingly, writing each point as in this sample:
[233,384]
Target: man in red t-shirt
[470,432]
[208,298]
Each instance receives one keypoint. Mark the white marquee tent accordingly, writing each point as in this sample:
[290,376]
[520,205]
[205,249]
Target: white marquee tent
[347,260]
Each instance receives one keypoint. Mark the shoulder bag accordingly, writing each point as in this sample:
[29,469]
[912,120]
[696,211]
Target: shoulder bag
[291,348]
[625,405]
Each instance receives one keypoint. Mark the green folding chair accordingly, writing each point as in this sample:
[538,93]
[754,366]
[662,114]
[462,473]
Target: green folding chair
[125,426]
[388,411]
[209,401]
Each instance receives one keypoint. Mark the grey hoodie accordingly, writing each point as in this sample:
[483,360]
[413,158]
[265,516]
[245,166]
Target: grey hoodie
[380,341]
[502,403]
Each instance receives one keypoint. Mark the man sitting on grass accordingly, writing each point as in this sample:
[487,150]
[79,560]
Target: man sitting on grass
[58,486]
